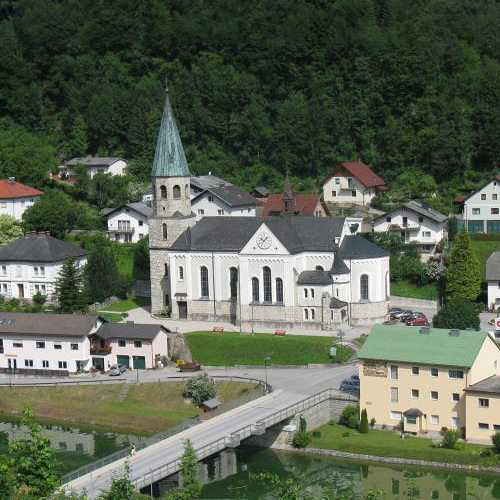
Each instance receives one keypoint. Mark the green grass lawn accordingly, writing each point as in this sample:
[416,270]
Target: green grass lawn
[128,304]
[229,349]
[405,288]
[389,444]
[111,317]
[483,250]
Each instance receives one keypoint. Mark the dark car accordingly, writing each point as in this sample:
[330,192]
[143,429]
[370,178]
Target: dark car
[405,315]
[349,385]
[419,321]
[355,377]
[394,312]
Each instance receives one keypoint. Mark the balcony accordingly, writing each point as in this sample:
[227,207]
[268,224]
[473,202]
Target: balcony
[99,351]
[403,227]
[121,229]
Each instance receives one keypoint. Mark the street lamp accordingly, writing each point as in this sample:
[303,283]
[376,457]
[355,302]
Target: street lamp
[266,359]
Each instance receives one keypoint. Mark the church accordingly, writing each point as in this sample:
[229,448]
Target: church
[278,272]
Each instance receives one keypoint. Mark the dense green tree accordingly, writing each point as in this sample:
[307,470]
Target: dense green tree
[10,229]
[189,468]
[77,143]
[452,228]
[363,423]
[70,287]
[141,258]
[6,480]
[101,271]
[457,313]
[199,389]
[464,274]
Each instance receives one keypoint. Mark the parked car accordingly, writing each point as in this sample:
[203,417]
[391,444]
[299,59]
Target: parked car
[354,377]
[416,314]
[115,371]
[419,321]
[405,315]
[349,385]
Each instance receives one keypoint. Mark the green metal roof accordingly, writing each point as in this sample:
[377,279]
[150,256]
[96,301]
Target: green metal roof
[407,345]
[170,160]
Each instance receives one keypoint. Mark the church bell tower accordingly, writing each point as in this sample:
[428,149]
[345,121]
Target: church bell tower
[171,204]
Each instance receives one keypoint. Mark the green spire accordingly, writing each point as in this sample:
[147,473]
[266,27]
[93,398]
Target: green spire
[170,160]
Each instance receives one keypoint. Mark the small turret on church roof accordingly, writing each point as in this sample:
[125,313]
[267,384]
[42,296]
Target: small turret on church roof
[338,266]
[170,160]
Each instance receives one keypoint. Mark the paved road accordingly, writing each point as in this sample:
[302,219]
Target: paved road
[291,385]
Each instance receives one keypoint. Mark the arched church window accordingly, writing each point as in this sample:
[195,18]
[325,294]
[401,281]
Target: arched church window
[319,268]
[181,273]
[177,192]
[255,289]
[166,269]
[268,293]
[279,290]
[204,282]
[165,231]
[163,192]
[186,191]
[233,282]
[363,287]
[306,314]
[312,313]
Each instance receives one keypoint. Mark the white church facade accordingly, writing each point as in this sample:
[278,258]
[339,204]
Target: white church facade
[283,271]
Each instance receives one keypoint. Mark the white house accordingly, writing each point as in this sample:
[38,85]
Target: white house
[95,165]
[15,197]
[128,223]
[224,200]
[352,184]
[493,280]
[416,223]
[481,209]
[32,264]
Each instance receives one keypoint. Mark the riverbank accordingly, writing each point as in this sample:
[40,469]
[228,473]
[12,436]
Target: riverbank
[140,409]
[387,444]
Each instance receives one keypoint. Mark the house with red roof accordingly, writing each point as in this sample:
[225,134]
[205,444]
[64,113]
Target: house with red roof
[352,183]
[15,197]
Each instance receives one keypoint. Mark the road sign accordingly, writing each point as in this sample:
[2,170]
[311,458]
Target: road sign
[333,351]
[497,323]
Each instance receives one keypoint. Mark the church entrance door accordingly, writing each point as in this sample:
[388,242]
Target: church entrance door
[183,309]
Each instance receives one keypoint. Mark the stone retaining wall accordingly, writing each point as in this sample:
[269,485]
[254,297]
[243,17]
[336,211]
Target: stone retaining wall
[409,302]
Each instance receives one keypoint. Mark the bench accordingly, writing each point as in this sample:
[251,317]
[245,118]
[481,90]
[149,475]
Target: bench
[218,329]
[280,332]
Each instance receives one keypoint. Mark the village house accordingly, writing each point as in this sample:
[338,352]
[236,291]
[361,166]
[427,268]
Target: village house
[352,184]
[420,380]
[416,223]
[32,264]
[493,280]
[94,165]
[15,197]
[128,223]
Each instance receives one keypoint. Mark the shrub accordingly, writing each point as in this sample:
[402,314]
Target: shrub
[495,439]
[199,389]
[363,424]
[347,415]
[353,422]
[450,439]
[301,439]
[372,422]
[346,434]
[302,424]
[457,313]
[316,434]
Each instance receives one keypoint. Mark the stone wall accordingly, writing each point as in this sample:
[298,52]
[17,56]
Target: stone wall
[368,313]
[416,303]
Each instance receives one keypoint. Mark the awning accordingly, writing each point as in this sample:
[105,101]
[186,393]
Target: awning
[413,412]
[337,304]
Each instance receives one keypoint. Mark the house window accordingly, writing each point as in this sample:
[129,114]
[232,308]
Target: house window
[177,192]
[394,394]
[42,271]
[28,363]
[494,211]
[434,372]
[476,211]
[19,271]
[306,293]
[138,343]
[483,426]
[306,314]
[165,231]
[204,282]
[426,234]
[484,402]
[63,365]
[496,427]
[201,211]
[420,219]
[255,289]
[337,181]
[74,347]
[17,344]
[35,271]
[415,370]
[455,396]
[163,192]
[483,197]
[435,419]
[394,372]
[4,288]
[353,193]
[388,219]
[456,374]
[334,193]
[181,273]
[4,270]
[363,285]
[233,282]
[455,422]
[210,198]
[412,420]
[220,212]
[312,293]
[141,223]
[45,364]
[40,345]
[434,395]
[58,347]
[494,197]
[268,294]
[415,393]
[312,313]
[279,290]
[122,343]
[395,415]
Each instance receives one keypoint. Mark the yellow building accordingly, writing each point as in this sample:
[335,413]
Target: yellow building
[423,379]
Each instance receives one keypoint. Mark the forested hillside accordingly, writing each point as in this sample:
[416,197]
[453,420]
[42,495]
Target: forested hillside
[258,86]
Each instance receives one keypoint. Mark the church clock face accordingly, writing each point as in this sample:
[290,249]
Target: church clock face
[263,241]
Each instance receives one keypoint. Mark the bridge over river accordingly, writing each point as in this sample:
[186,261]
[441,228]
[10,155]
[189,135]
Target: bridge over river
[227,430]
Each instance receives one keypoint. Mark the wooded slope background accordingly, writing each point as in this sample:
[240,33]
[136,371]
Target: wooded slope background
[258,87]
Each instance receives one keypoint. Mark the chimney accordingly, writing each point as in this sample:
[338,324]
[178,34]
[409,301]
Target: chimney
[11,180]
[454,332]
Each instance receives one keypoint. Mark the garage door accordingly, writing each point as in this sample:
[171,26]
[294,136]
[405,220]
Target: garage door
[139,363]
[123,360]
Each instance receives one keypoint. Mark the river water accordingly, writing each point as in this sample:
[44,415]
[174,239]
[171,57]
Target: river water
[227,475]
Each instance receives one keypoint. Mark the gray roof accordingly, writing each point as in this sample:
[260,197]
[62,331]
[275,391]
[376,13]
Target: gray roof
[262,190]
[421,209]
[39,247]
[233,196]
[493,267]
[357,247]
[138,207]
[71,325]
[129,331]
[212,403]
[170,160]
[231,234]
[314,278]
[94,161]
[209,181]
[490,385]
[338,266]
[336,303]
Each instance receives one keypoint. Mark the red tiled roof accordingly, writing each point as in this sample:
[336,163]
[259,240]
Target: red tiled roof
[362,172]
[304,204]
[13,189]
